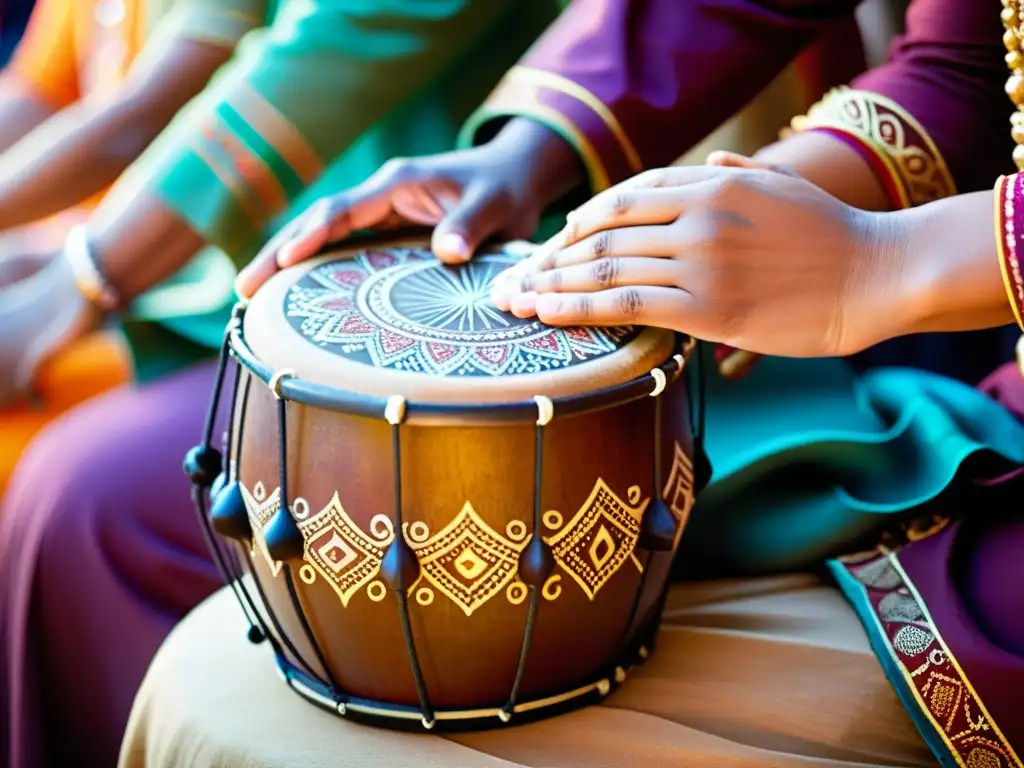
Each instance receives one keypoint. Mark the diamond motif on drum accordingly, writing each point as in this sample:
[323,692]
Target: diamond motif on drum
[261,508]
[402,309]
[678,492]
[598,540]
[468,561]
[341,552]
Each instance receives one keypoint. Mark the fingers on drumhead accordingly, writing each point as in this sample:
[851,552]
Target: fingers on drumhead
[641,305]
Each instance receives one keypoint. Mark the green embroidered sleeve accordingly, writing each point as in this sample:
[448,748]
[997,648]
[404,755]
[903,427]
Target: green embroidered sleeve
[297,95]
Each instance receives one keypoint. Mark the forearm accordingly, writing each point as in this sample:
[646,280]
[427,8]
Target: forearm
[20,111]
[950,274]
[74,155]
[832,165]
[549,163]
[140,245]
[84,148]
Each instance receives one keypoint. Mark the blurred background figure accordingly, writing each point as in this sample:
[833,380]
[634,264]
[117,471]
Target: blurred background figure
[320,98]
[90,84]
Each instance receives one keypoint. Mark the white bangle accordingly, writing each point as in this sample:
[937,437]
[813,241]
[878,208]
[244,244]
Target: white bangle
[90,281]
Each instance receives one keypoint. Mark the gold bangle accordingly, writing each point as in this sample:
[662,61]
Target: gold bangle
[1006,212]
[89,280]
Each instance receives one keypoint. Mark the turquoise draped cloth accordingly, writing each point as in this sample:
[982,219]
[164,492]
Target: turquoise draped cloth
[809,458]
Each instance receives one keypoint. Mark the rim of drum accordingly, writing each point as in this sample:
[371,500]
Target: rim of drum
[410,717]
[337,400]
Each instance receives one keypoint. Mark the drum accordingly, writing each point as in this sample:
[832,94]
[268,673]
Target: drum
[449,517]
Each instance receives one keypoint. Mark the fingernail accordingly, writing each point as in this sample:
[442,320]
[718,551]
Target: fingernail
[501,297]
[524,304]
[453,245]
[240,281]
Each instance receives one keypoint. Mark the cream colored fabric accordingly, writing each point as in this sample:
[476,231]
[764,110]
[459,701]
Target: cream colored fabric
[773,672]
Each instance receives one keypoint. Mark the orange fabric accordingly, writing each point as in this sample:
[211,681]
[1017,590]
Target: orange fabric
[88,367]
[64,56]
[47,56]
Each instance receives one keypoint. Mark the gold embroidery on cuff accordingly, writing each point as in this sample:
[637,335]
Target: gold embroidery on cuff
[231,182]
[278,131]
[898,140]
[556,82]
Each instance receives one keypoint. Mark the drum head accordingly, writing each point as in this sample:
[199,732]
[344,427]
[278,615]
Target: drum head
[393,320]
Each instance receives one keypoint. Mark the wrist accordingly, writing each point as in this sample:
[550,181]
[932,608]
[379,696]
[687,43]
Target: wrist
[885,297]
[90,280]
[547,163]
[951,279]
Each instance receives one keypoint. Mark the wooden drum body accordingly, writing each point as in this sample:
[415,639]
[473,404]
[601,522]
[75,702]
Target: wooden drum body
[483,510]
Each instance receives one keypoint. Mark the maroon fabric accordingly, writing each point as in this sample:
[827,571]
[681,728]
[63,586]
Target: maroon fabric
[948,72]
[100,556]
[971,578]
[671,72]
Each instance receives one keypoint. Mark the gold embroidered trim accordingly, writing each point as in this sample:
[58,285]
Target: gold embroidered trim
[938,683]
[249,167]
[229,180]
[529,106]
[278,131]
[557,82]
[896,138]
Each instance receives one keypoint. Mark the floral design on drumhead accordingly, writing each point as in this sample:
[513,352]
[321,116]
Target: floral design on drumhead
[402,309]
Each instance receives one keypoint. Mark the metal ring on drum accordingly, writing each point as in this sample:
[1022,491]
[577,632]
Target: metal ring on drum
[498,482]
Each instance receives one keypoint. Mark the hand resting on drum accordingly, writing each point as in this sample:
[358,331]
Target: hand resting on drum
[495,190]
[765,261]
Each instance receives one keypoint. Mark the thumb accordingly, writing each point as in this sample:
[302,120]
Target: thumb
[725,159]
[480,213]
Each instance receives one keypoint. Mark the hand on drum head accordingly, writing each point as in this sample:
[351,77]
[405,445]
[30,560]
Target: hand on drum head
[468,196]
[757,259]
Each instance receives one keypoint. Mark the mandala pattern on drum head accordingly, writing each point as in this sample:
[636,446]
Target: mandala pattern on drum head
[599,539]
[402,309]
[467,561]
[261,508]
[341,552]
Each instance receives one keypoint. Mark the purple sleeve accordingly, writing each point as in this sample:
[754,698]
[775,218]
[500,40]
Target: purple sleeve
[948,72]
[633,84]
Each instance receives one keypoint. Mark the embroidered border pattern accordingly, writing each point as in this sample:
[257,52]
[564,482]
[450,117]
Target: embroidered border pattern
[931,672]
[892,134]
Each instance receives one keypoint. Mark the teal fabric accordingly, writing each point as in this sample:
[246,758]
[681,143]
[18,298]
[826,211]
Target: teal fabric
[809,459]
[338,75]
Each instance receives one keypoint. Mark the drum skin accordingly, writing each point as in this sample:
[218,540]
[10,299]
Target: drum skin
[467,504]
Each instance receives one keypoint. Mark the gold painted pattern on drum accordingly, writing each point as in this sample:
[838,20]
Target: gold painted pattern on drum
[598,363]
[678,492]
[339,551]
[467,561]
[261,508]
[599,538]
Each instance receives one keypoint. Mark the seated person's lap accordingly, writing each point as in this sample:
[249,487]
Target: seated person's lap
[772,671]
[100,555]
